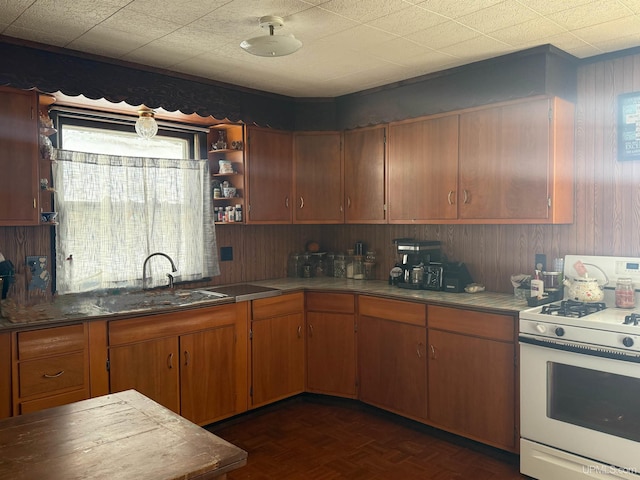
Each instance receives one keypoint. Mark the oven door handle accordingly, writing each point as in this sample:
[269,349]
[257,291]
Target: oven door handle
[582,349]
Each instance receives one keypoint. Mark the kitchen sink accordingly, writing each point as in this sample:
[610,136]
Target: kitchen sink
[149,300]
[243,292]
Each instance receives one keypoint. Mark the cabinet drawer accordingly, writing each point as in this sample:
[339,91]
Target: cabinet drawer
[331,302]
[51,374]
[50,341]
[470,322]
[396,310]
[277,306]
[162,325]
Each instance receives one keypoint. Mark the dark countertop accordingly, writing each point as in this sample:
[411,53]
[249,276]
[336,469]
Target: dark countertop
[79,307]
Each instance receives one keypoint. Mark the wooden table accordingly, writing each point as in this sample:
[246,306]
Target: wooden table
[119,436]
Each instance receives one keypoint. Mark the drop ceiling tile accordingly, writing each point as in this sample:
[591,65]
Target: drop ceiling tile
[361,37]
[397,51]
[179,11]
[443,35]
[547,7]
[140,24]
[47,37]
[573,45]
[455,9]
[429,61]
[313,24]
[590,14]
[12,9]
[479,48]
[492,18]
[408,21]
[609,30]
[108,42]
[619,43]
[529,32]
[364,10]
[632,5]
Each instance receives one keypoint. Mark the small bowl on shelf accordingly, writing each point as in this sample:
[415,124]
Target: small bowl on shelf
[48,217]
[229,192]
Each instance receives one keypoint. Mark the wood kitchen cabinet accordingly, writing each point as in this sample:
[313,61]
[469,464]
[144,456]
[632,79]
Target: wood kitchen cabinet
[269,165]
[50,367]
[19,183]
[277,348]
[364,175]
[423,170]
[193,362]
[392,363]
[5,376]
[472,375]
[318,177]
[331,344]
[516,163]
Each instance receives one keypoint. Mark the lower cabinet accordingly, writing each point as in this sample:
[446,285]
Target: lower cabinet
[331,344]
[192,362]
[392,363]
[5,375]
[50,367]
[472,375]
[277,348]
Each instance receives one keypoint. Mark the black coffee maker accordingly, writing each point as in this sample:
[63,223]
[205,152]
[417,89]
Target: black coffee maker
[412,256]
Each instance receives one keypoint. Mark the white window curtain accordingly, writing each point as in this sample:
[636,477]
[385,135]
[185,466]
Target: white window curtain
[115,211]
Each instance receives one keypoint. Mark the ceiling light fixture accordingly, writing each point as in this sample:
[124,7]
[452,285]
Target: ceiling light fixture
[271,45]
[146,125]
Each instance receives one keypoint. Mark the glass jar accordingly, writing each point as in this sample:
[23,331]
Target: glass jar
[340,267]
[329,264]
[319,265]
[358,267]
[625,294]
[369,271]
[307,269]
[293,266]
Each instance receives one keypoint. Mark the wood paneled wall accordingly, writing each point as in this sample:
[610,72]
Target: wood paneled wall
[607,211]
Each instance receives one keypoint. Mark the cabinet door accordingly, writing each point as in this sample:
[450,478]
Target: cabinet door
[5,375]
[318,177]
[269,176]
[364,175]
[505,162]
[208,375]
[19,183]
[151,368]
[423,170]
[277,348]
[475,376]
[331,353]
[392,366]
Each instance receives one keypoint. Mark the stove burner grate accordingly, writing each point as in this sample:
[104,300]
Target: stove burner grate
[631,319]
[572,308]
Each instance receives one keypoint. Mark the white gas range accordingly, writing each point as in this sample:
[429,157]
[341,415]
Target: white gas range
[580,381]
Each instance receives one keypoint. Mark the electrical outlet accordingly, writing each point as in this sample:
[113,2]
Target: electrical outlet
[33,261]
[226,254]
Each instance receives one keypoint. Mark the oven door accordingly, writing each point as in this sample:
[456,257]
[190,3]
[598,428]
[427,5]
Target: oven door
[582,404]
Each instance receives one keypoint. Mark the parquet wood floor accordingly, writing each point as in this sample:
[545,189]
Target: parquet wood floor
[319,438]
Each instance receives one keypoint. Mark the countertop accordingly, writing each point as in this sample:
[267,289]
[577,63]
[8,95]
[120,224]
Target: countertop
[87,306]
[118,436]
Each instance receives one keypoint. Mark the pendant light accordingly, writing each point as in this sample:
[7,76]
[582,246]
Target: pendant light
[271,45]
[146,125]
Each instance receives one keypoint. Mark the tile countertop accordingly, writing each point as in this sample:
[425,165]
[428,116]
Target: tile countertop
[75,308]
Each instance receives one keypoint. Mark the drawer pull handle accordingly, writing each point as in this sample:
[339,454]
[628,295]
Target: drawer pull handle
[170,361]
[55,375]
[187,357]
[299,331]
[418,350]
[433,352]
[310,330]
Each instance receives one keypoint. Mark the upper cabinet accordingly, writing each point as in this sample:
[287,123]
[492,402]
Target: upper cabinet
[364,179]
[269,176]
[516,163]
[226,158]
[423,170]
[318,177]
[19,184]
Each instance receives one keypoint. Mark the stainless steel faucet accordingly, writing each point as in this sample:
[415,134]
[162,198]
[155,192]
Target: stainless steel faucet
[144,269]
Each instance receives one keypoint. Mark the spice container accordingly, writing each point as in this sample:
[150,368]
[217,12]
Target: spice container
[358,268]
[625,294]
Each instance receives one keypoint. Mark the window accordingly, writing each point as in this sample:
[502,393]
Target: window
[121,198]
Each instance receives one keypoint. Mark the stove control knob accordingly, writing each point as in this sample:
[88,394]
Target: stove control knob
[541,328]
[559,331]
[627,342]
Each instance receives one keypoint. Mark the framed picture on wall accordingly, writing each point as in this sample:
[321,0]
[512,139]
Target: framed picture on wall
[629,126]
